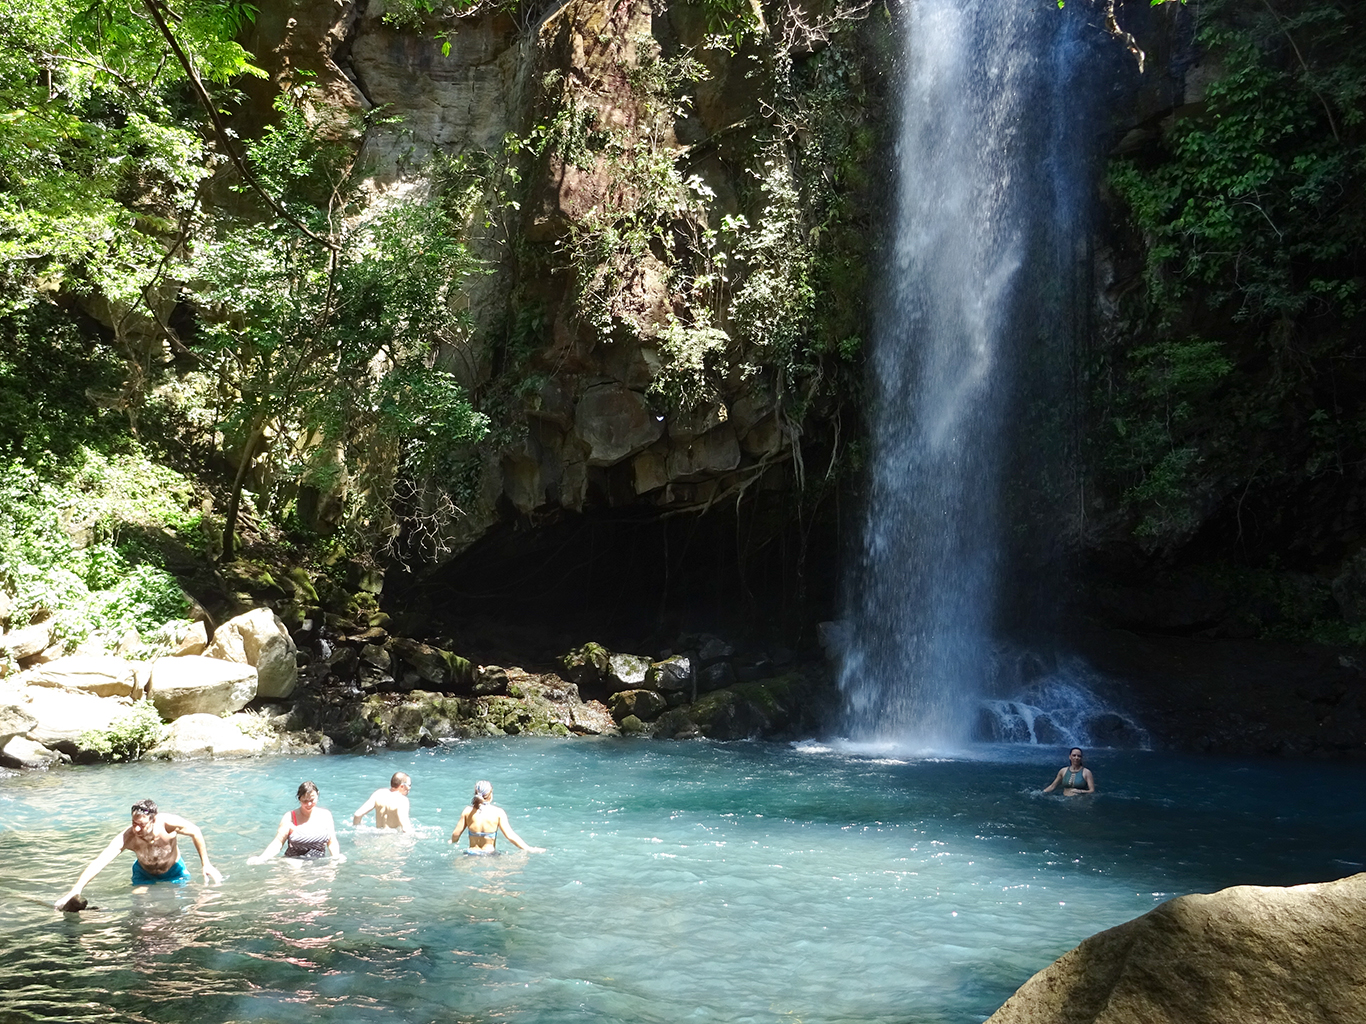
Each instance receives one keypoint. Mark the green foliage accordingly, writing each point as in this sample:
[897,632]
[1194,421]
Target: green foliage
[62,547]
[730,21]
[693,355]
[128,737]
[1157,428]
[48,370]
[334,347]
[1255,206]
[95,148]
[1252,215]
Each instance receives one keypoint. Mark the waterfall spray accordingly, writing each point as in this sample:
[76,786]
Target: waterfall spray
[986,210]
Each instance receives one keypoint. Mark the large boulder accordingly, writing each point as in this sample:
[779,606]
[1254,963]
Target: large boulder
[591,718]
[24,643]
[14,721]
[708,455]
[432,664]
[61,715]
[586,665]
[101,675]
[203,735]
[193,640]
[259,638]
[1250,953]
[614,423]
[671,675]
[22,752]
[627,671]
[194,684]
[786,705]
[644,704]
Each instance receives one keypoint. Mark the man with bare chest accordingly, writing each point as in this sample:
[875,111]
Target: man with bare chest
[151,838]
[390,805]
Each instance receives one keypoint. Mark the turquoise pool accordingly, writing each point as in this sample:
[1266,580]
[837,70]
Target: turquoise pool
[681,882]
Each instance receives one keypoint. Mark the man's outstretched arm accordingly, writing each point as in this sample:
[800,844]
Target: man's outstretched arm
[97,865]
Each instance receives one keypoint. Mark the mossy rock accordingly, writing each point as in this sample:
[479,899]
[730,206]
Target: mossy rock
[770,708]
[676,724]
[642,704]
[304,590]
[586,665]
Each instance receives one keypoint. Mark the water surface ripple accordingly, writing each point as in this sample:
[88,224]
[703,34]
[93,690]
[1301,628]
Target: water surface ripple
[681,882]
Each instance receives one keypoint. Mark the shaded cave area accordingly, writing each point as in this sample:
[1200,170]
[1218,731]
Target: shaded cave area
[759,575]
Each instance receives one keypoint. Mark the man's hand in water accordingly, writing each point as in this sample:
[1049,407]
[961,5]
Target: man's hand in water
[212,874]
[71,897]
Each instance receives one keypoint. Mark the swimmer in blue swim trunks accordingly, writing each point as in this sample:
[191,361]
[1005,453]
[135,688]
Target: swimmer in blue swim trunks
[484,821]
[151,838]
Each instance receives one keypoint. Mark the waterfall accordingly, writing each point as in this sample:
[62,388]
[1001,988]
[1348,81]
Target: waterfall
[993,176]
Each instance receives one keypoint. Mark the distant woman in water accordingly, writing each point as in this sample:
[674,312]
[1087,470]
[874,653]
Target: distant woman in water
[1075,779]
[305,833]
[484,821]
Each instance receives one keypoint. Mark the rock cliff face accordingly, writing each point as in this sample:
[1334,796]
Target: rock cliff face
[1250,953]
[655,332]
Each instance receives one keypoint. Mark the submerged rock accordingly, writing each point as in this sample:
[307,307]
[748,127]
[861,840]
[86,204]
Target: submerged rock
[1249,953]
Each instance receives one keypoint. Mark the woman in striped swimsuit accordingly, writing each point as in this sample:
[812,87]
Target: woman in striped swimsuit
[305,833]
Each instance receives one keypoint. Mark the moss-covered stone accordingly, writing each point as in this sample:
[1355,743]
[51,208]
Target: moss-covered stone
[586,665]
[303,586]
[770,708]
[676,724]
[642,704]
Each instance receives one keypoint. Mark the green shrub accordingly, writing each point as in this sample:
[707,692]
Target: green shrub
[128,737]
[60,545]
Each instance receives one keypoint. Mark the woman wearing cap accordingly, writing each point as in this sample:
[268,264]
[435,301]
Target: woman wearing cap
[483,820]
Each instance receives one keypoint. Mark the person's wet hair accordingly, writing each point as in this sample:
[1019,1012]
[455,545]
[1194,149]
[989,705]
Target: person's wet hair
[483,793]
[399,779]
[147,807]
[306,788]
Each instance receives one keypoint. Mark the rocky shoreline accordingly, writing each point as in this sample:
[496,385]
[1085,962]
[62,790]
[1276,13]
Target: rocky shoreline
[335,683]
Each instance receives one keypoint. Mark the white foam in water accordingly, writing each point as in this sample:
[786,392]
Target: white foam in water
[681,882]
[1062,708]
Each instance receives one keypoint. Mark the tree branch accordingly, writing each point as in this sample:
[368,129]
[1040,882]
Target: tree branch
[221,130]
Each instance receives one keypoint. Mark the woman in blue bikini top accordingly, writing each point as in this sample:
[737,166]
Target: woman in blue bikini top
[1075,779]
[483,820]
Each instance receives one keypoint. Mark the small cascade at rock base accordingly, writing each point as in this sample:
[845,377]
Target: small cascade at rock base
[988,259]
[1052,701]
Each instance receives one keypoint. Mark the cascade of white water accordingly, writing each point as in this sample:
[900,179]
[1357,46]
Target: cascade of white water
[987,197]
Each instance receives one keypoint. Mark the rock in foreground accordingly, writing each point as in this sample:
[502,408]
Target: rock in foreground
[1250,953]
